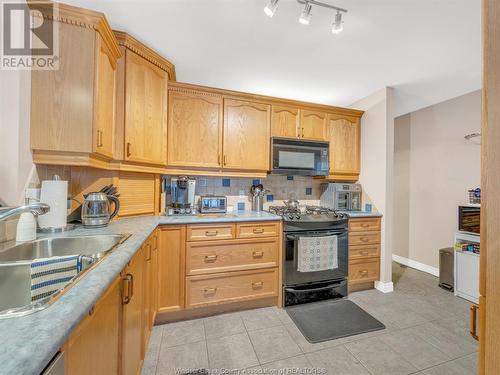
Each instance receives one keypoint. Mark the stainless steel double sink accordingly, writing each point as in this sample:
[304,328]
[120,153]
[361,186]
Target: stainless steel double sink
[15,264]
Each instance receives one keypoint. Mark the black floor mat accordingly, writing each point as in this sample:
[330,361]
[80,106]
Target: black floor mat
[329,320]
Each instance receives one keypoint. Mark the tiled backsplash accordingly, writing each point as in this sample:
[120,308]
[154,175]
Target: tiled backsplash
[280,187]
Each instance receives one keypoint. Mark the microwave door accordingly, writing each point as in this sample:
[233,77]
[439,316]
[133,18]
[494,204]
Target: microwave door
[342,201]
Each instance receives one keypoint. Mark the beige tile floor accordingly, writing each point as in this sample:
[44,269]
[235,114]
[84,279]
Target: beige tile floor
[426,334]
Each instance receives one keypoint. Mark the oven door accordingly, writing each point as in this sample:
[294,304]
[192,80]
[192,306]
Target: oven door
[294,277]
[294,157]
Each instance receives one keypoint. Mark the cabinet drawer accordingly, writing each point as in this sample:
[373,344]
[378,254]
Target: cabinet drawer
[364,251]
[256,230]
[230,287]
[364,224]
[234,255]
[210,232]
[364,238]
[362,271]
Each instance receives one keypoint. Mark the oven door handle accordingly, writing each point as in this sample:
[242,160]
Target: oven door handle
[312,289]
[296,237]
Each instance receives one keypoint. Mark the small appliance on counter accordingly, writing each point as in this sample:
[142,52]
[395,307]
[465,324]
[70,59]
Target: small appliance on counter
[258,193]
[109,191]
[213,204]
[182,190]
[342,197]
[96,210]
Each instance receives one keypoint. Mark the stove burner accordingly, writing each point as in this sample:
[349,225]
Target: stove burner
[311,213]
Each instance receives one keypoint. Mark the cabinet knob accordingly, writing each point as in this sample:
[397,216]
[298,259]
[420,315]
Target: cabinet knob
[258,230]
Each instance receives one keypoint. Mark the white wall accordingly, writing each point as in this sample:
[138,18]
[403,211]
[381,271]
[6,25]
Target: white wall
[16,166]
[435,166]
[377,145]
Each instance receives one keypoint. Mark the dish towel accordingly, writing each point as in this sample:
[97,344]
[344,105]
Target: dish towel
[317,254]
[48,275]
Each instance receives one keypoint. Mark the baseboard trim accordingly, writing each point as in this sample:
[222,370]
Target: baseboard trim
[384,287]
[417,265]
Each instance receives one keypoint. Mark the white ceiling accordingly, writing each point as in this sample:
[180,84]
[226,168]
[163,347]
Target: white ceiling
[428,50]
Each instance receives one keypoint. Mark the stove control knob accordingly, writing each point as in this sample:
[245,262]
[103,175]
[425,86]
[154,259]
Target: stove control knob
[297,217]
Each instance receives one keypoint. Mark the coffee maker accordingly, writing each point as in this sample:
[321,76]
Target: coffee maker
[182,190]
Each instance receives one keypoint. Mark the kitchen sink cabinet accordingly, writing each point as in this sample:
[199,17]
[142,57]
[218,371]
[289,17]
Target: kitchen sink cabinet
[344,133]
[247,128]
[73,107]
[142,98]
[93,347]
[133,283]
[194,129]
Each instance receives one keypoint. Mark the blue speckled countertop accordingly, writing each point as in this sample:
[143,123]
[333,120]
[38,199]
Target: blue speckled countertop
[28,343]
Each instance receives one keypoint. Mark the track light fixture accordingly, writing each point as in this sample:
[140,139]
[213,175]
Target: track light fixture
[270,8]
[305,17]
[338,24]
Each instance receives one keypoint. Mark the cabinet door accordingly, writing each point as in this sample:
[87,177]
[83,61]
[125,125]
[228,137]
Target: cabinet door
[104,98]
[148,292]
[171,269]
[154,275]
[194,130]
[94,345]
[312,125]
[133,309]
[284,121]
[145,111]
[246,135]
[344,134]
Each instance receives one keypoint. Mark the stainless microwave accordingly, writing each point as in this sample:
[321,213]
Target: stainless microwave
[297,157]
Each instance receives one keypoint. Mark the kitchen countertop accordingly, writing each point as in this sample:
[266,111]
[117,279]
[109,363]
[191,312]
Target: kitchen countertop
[356,214]
[29,342]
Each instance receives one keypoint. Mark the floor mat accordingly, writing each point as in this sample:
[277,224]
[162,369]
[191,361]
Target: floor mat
[329,320]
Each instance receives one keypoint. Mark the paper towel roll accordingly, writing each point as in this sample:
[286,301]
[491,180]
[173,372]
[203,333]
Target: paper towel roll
[54,193]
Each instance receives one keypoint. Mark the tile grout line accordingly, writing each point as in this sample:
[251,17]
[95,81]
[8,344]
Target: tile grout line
[251,342]
[159,350]
[359,360]
[206,344]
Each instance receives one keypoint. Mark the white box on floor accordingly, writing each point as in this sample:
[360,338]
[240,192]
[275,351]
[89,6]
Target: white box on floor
[466,270]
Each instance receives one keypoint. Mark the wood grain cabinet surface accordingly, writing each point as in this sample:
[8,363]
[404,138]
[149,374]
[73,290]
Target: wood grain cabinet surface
[345,147]
[142,98]
[72,108]
[247,130]
[285,121]
[364,252]
[312,125]
[194,129]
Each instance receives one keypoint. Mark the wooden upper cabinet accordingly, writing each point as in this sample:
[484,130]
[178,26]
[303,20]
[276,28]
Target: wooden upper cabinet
[72,108]
[345,146]
[246,135]
[312,125]
[194,129]
[105,82]
[284,121]
[142,99]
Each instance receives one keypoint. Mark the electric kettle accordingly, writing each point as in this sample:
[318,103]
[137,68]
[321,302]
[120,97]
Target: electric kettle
[96,209]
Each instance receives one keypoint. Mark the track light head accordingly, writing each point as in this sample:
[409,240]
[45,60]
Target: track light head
[305,17]
[270,8]
[338,24]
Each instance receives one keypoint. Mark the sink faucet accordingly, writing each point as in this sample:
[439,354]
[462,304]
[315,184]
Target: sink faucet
[35,208]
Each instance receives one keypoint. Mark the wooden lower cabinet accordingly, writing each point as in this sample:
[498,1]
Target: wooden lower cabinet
[171,268]
[364,252]
[94,345]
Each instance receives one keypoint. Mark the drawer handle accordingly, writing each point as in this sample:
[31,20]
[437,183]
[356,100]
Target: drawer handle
[363,272]
[128,288]
[210,258]
[473,313]
[211,233]
[364,253]
[258,254]
[129,146]
[364,225]
[257,284]
[99,138]
[209,290]
[364,239]
[258,230]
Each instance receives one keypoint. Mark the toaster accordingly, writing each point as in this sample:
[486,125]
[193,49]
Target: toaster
[211,204]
